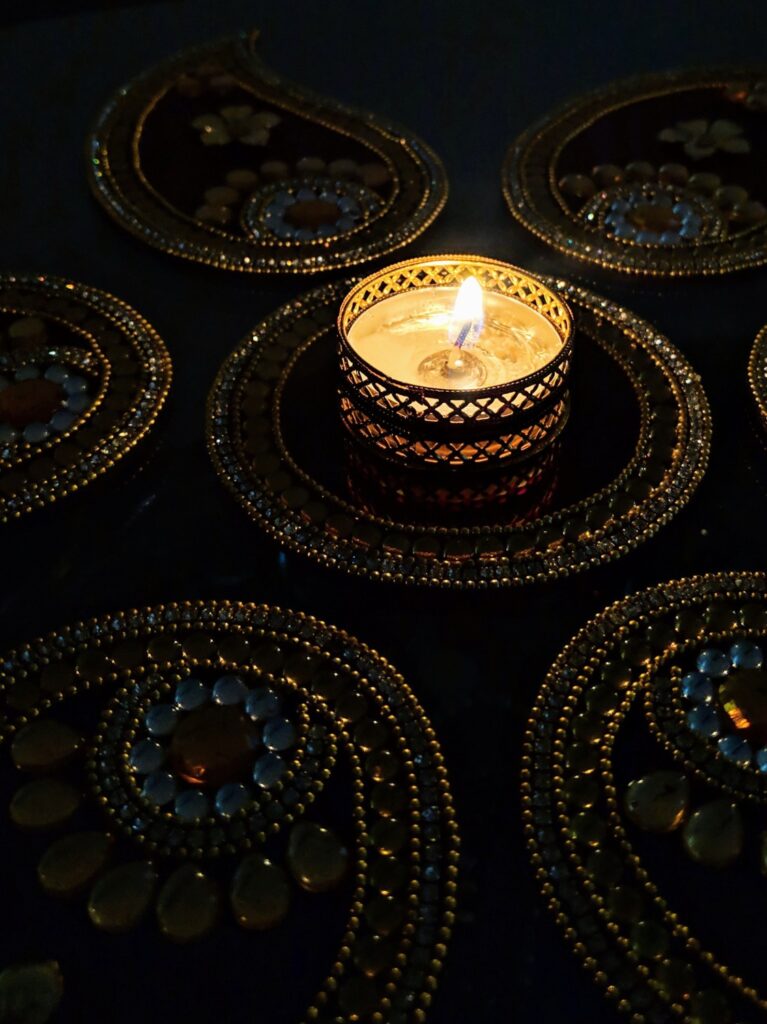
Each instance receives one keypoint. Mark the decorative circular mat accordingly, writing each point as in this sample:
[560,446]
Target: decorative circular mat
[82,379]
[634,450]
[652,175]
[228,765]
[757,374]
[213,157]
[644,785]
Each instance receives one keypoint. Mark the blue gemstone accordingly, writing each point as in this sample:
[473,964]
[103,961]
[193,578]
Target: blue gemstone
[713,662]
[146,756]
[669,238]
[262,703]
[229,690]
[704,721]
[191,805]
[736,749]
[159,788]
[746,654]
[268,770]
[761,759]
[646,237]
[191,693]
[279,734]
[625,230]
[231,798]
[161,719]
[689,230]
[697,688]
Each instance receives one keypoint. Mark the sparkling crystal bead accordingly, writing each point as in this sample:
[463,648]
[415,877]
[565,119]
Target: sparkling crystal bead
[713,662]
[697,687]
[191,693]
[704,720]
[746,654]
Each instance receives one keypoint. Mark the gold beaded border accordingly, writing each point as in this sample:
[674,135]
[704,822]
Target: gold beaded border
[757,374]
[124,435]
[569,539]
[156,222]
[593,647]
[542,144]
[244,619]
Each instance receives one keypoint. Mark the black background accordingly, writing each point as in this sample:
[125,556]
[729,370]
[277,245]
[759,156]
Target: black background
[467,78]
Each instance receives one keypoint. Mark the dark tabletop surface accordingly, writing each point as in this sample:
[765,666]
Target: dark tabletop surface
[467,78]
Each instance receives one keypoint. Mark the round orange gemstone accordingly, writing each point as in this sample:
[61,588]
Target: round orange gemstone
[651,217]
[213,745]
[312,213]
[29,401]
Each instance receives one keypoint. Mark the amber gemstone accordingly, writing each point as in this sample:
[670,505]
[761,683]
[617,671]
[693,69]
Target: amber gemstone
[260,894]
[188,905]
[30,993]
[44,803]
[714,834]
[121,897]
[651,217]
[744,697]
[312,213]
[72,862]
[29,401]
[44,745]
[658,802]
[213,745]
[316,857]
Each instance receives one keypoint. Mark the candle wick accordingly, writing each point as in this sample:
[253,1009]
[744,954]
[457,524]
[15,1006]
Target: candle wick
[463,334]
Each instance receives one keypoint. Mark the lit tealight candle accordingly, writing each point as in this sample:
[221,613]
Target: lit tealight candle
[455,338]
[454,360]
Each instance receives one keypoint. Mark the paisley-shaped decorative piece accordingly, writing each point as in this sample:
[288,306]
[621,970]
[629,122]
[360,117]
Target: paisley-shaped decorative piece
[757,374]
[213,157]
[652,175]
[275,437]
[82,379]
[200,766]
[644,786]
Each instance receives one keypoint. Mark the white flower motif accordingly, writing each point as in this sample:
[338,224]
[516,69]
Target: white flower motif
[236,124]
[702,138]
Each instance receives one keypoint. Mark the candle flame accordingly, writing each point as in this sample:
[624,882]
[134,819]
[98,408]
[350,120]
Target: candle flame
[468,315]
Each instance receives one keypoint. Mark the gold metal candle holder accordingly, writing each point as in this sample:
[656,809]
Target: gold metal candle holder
[484,426]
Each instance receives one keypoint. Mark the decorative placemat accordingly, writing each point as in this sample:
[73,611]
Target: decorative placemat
[82,379]
[757,374]
[644,782]
[634,450]
[213,157]
[225,765]
[653,175]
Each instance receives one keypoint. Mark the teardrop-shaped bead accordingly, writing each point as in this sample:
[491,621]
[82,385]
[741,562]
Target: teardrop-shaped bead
[260,895]
[316,857]
[72,862]
[44,803]
[44,745]
[30,993]
[121,897]
[714,834]
[658,802]
[187,906]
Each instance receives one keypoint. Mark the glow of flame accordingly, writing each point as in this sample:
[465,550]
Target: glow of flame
[468,315]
